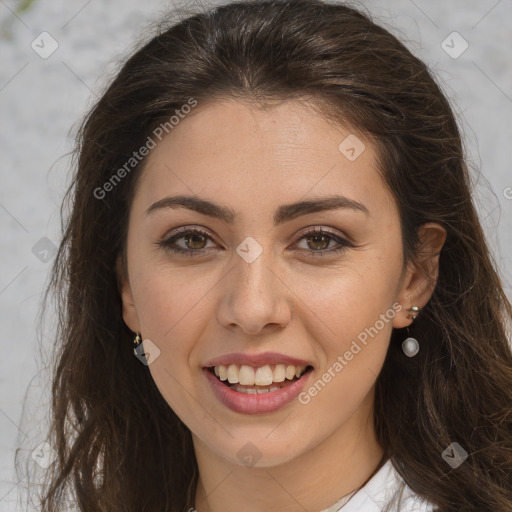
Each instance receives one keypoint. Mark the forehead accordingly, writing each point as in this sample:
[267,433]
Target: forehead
[257,157]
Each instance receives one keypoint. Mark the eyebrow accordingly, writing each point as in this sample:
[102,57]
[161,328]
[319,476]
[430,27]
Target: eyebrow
[283,214]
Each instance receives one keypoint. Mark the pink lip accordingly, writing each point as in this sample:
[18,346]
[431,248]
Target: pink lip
[255,360]
[255,404]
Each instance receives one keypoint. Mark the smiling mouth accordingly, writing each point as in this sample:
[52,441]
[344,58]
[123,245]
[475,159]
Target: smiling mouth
[264,379]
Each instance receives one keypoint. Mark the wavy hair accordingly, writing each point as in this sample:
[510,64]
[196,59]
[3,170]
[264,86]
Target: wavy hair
[120,446]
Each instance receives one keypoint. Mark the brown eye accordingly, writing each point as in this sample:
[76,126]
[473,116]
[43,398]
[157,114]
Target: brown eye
[195,241]
[318,242]
[188,241]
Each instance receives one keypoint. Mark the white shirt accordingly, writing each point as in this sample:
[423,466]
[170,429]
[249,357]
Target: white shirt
[378,492]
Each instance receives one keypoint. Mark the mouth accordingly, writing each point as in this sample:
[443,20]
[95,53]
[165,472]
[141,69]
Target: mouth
[258,380]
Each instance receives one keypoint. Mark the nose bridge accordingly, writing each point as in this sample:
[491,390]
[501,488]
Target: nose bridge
[253,276]
[252,260]
[254,297]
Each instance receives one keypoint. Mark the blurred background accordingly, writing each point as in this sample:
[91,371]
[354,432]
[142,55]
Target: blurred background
[55,58]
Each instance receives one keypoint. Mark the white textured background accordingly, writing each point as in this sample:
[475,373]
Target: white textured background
[42,100]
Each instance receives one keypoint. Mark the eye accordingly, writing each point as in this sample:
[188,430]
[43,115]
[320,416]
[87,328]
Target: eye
[194,242]
[318,240]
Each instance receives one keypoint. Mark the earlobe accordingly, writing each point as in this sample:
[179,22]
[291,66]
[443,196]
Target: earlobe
[420,279]
[130,316]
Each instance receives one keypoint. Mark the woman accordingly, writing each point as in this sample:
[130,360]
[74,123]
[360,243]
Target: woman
[271,199]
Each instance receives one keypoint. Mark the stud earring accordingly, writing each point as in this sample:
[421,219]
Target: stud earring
[413,312]
[410,345]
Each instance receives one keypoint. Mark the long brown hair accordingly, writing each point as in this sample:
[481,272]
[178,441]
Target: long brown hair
[120,446]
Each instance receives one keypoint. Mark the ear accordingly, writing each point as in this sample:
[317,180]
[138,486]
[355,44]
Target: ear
[420,278]
[130,317]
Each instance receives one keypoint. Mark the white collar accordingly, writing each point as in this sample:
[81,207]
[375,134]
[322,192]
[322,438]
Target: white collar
[378,492]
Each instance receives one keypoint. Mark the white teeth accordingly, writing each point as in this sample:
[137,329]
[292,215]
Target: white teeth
[279,373]
[262,376]
[290,372]
[254,391]
[246,375]
[233,374]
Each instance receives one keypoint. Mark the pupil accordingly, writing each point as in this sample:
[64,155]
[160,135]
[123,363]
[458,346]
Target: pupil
[190,240]
[318,238]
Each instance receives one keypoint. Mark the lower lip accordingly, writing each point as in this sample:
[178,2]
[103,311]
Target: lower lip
[259,403]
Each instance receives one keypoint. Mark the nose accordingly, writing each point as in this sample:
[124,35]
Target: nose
[255,299]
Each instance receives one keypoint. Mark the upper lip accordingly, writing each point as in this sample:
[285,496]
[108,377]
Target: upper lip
[255,360]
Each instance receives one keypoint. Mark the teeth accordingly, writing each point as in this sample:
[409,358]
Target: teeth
[253,391]
[233,374]
[290,372]
[262,376]
[279,373]
[246,375]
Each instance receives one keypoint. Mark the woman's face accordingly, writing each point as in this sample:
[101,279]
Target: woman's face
[276,277]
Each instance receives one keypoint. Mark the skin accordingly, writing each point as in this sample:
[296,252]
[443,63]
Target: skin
[288,301]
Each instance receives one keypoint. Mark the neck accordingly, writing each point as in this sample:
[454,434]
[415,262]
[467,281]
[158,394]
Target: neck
[334,468]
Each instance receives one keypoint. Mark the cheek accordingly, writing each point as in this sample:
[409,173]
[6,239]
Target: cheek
[351,321]
[170,305]
[169,299]
[343,302]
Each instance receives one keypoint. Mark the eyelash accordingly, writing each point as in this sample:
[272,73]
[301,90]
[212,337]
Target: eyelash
[167,243]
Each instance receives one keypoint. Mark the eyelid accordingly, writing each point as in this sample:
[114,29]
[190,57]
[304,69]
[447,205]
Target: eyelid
[186,229]
[326,230]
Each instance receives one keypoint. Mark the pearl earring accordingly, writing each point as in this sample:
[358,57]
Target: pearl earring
[410,346]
